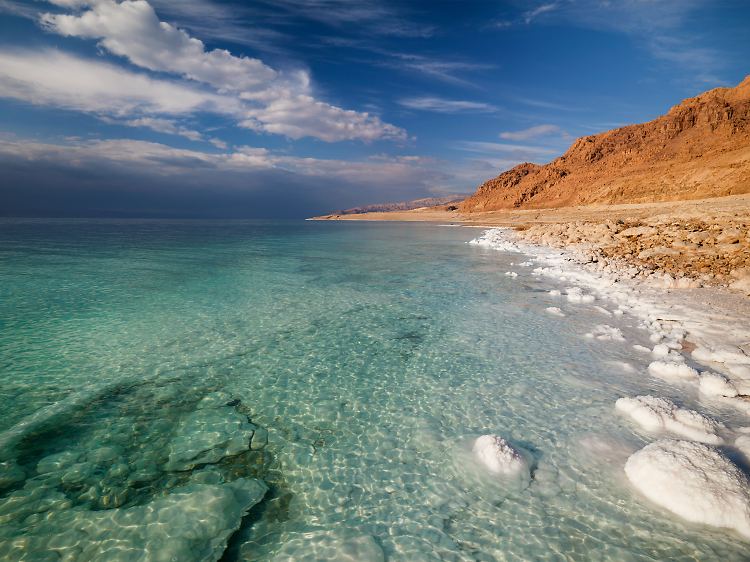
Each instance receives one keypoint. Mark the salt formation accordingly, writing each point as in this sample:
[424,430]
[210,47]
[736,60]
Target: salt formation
[693,480]
[713,384]
[672,369]
[212,432]
[499,456]
[555,311]
[191,524]
[653,414]
[605,332]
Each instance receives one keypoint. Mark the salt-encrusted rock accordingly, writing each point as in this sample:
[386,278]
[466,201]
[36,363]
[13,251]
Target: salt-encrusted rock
[694,481]
[653,413]
[212,432]
[671,369]
[191,524]
[499,456]
[713,384]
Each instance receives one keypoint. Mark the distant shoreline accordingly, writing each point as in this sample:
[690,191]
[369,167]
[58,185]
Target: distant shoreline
[719,259]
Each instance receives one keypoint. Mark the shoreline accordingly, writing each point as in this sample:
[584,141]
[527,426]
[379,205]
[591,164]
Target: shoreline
[706,242]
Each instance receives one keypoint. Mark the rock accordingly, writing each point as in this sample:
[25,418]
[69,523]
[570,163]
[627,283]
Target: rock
[704,137]
[740,273]
[741,285]
[639,231]
[334,545]
[209,434]
[191,524]
[658,251]
[10,473]
[729,236]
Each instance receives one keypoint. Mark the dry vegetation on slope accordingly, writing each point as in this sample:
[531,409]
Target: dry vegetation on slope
[700,149]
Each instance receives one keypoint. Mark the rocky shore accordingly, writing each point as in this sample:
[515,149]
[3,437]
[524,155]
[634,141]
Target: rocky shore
[695,250]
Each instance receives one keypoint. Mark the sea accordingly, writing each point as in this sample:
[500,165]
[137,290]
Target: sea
[196,390]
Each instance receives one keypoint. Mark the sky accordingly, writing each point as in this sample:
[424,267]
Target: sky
[295,108]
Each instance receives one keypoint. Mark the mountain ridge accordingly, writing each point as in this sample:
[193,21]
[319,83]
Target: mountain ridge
[699,149]
[406,206]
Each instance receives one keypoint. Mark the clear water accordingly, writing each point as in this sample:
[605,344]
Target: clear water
[367,357]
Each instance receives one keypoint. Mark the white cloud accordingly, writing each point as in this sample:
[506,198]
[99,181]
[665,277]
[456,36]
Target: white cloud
[528,16]
[246,89]
[492,147]
[218,143]
[439,105]
[297,116]
[62,80]
[132,29]
[162,160]
[533,132]
[167,126]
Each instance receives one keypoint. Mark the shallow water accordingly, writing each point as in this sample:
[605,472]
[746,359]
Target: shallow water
[348,366]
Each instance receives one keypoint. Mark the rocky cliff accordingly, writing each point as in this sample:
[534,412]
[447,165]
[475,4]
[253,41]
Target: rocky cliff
[700,149]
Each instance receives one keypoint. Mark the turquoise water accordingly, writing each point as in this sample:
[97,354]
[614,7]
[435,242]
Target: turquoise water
[346,367]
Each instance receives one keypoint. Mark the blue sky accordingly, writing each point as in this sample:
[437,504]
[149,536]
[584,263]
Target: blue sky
[292,108]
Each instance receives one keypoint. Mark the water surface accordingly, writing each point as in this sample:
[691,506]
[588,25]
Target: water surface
[363,358]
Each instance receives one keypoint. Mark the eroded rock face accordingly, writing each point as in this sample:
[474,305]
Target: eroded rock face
[700,149]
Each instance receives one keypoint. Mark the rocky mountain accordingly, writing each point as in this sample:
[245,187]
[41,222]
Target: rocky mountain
[700,149]
[408,206]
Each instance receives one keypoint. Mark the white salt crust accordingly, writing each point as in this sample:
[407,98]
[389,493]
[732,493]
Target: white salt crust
[605,332]
[694,481]
[499,456]
[554,311]
[654,414]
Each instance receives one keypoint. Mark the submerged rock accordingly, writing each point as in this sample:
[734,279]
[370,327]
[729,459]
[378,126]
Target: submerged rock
[192,524]
[212,432]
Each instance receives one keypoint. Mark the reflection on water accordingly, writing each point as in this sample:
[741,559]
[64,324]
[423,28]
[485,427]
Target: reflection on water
[184,390]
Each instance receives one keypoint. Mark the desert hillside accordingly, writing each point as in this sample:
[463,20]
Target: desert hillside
[700,149]
[407,206]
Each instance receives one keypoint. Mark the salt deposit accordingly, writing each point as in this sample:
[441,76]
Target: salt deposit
[713,384]
[694,481]
[653,414]
[499,456]
[671,369]
[554,311]
[605,332]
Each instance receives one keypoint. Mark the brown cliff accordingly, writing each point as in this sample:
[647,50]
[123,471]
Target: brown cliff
[700,149]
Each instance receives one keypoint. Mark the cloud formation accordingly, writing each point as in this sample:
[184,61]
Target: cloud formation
[213,81]
[124,177]
[439,105]
[532,133]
